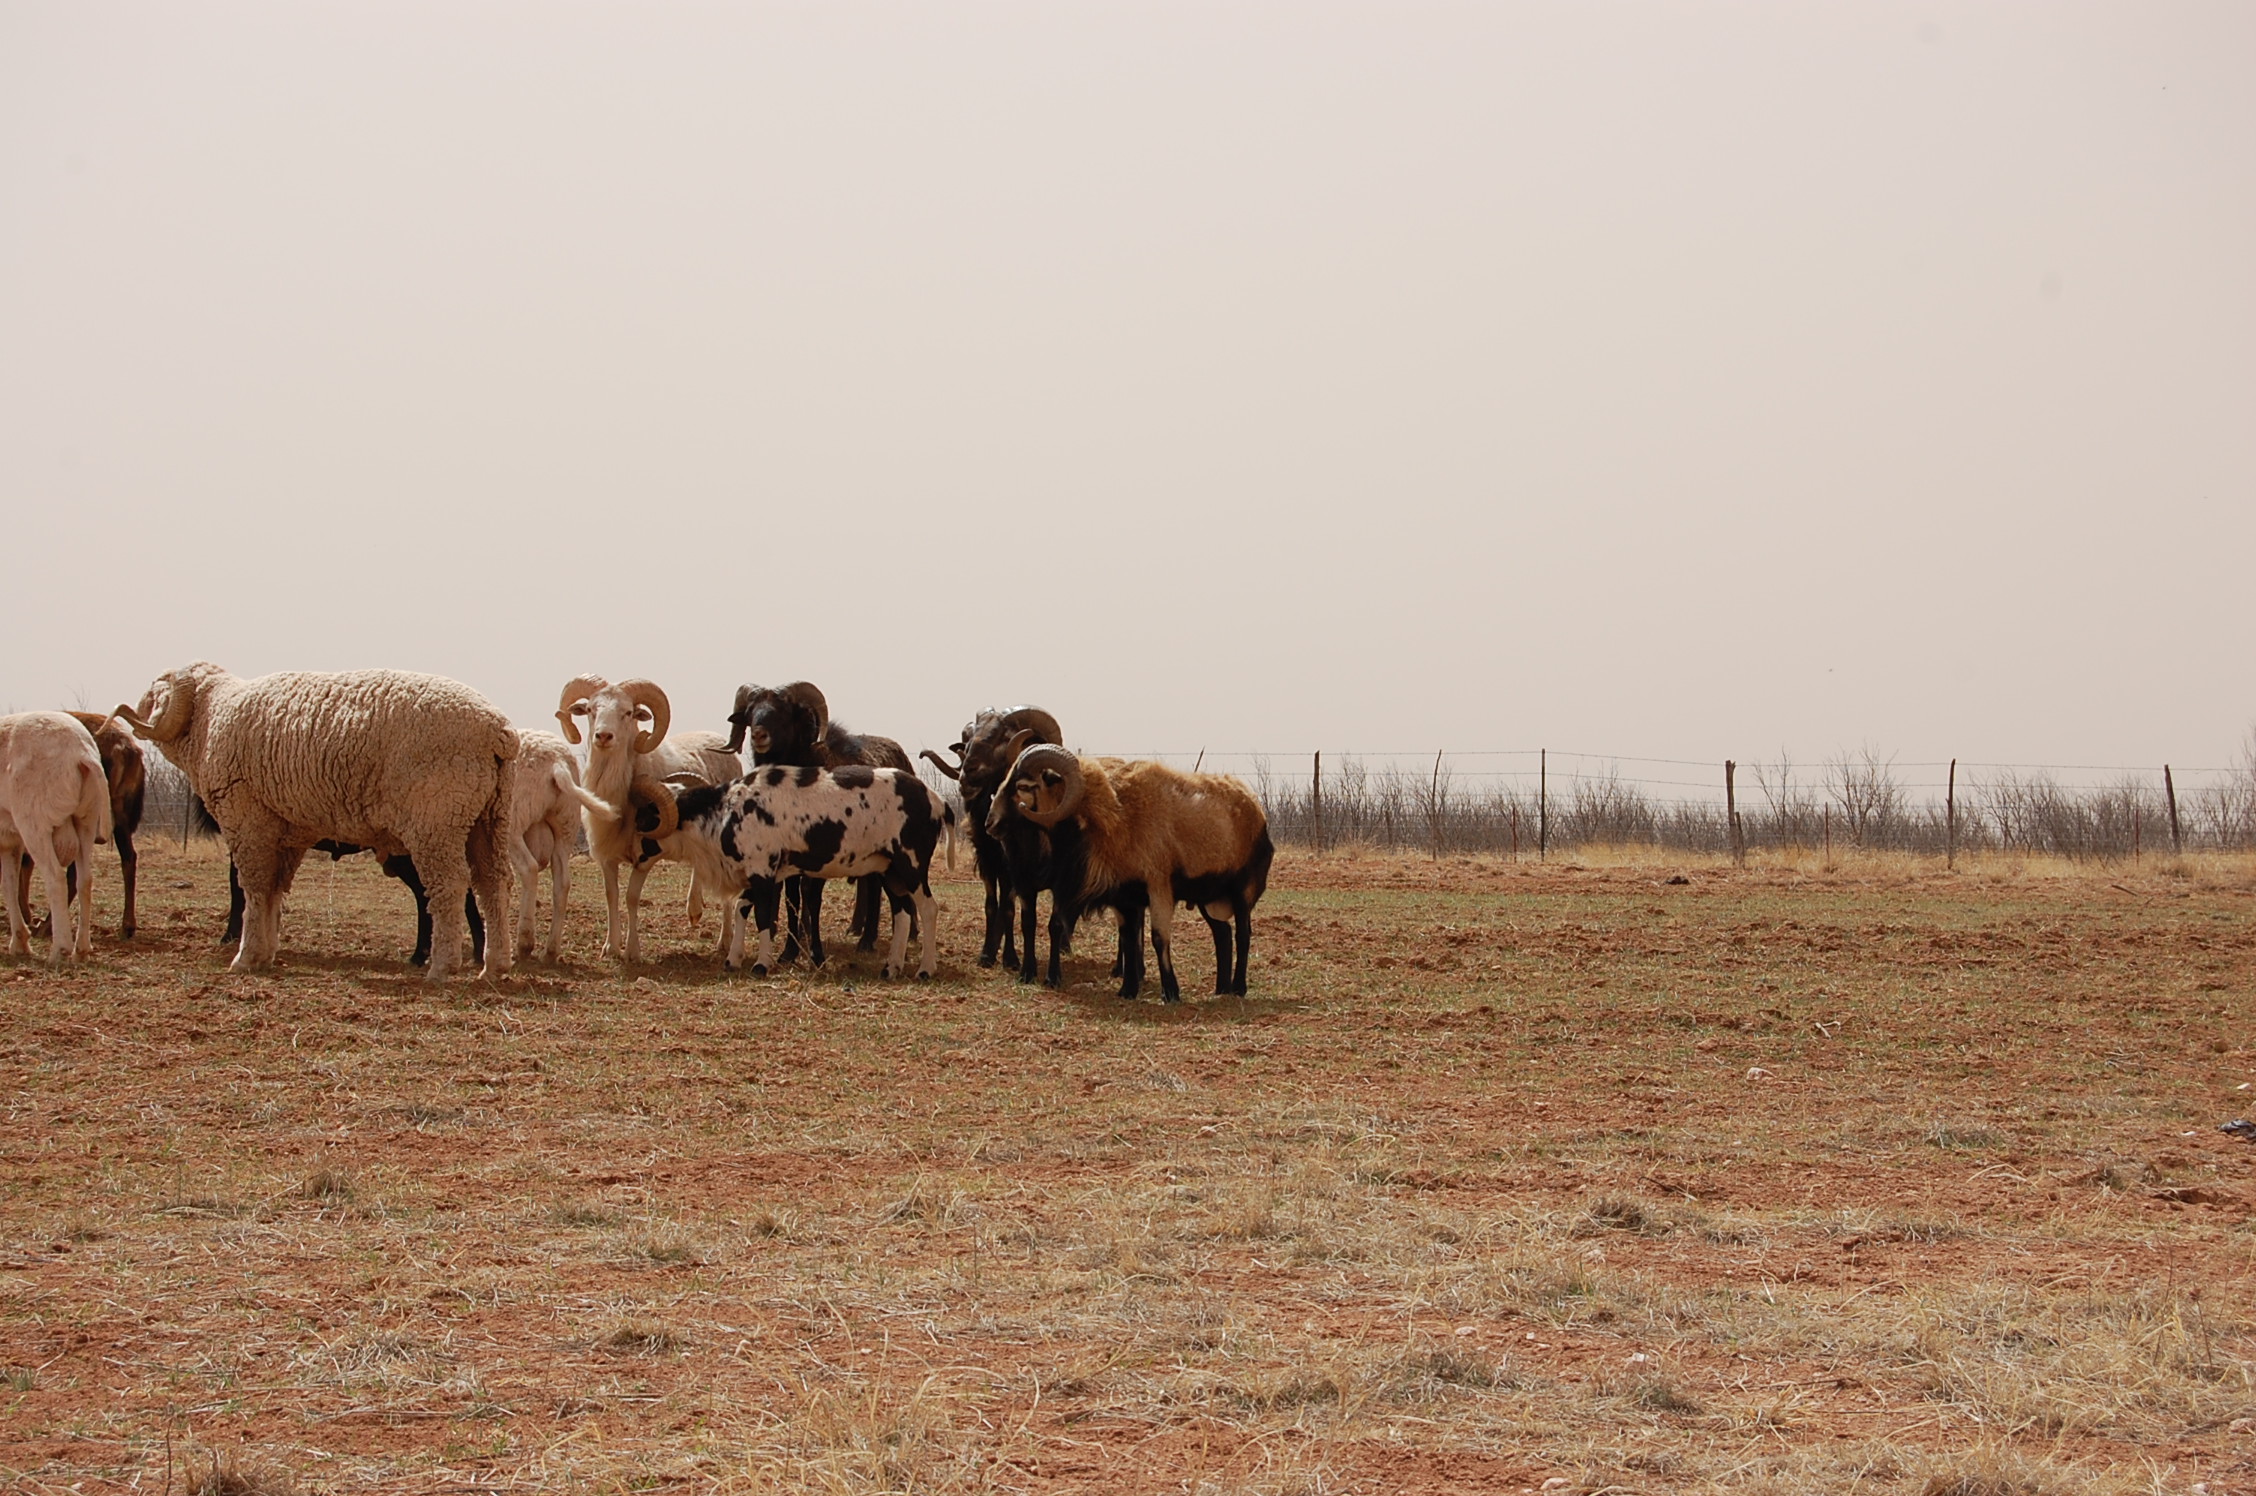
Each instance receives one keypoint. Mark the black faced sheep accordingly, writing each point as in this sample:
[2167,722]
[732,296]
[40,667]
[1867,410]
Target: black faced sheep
[398,762]
[791,725]
[1137,835]
[983,757]
[54,807]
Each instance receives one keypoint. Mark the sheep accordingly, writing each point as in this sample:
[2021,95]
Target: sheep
[791,725]
[128,785]
[546,829]
[1139,837]
[779,822]
[55,807]
[979,768]
[405,764]
[628,756]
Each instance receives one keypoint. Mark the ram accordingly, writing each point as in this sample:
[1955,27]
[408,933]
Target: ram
[628,761]
[1138,837]
[400,763]
[54,808]
[982,759]
[780,822]
[791,725]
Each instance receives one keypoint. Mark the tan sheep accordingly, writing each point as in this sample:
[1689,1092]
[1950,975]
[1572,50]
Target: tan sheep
[55,806]
[385,759]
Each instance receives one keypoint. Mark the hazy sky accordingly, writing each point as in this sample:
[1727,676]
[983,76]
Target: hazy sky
[1672,379]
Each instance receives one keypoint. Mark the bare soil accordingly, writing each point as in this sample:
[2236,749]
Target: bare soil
[1506,1178]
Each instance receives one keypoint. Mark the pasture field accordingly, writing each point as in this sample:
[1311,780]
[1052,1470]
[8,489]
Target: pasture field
[1506,1178]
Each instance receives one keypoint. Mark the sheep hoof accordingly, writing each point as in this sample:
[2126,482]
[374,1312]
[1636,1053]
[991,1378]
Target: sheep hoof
[758,970]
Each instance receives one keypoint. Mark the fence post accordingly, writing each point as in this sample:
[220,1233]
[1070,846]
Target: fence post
[1731,812]
[1433,809]
[1950,819]
[2170,793]
[1828,836]
[2137,816]
[1515,829]
[1542,804]
[187,808]
[1316,799]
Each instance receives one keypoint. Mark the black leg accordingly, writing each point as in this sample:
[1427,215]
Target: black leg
[761,896]
[1059,928]
[1130,956]
[1245,948]
[1026,969]
[1220,930]
[129,865]
[477,926]
[233,934]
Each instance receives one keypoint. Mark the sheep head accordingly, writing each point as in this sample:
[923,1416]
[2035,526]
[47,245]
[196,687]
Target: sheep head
[1045,785]
[169,705]
[780,720]
[993,740]
[634,706]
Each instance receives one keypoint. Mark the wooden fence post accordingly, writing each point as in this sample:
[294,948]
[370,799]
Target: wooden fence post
[1950,819]
[1515,830]
[2170,793]
[1828,836]
[1316,799]
[1543,805]
[1433,809]
[1731,812]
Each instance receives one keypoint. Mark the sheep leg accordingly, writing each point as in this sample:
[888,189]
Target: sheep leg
[1130,963]
[257,871]
[634,911]
[84,831]
[1245,949]
[1027,970]
[233,934]
[524,862]
[696,899]
[129,868]
[402,867]
[1160,903]
[1219,928]
[998,934]
[444,869]
[761,897]
[921,911]
[559,884]
[489,887]
[732,938]
[612,940]
[869,900]
[14,887]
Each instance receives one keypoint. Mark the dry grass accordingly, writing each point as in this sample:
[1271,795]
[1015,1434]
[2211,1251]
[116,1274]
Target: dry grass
[1475,1193]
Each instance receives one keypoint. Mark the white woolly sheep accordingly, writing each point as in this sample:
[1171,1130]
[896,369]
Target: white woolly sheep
[546,828]
[628,754]
[384,759]
[54,805]
[1139,837]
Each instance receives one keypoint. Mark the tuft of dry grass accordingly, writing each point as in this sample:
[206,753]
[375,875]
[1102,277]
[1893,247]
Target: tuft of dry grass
[642,1337]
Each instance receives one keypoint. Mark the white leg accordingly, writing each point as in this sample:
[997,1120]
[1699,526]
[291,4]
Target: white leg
[85,941]
[11,887]
[613,942]
[696,899]
[524,863]
[634,911]
[559,880]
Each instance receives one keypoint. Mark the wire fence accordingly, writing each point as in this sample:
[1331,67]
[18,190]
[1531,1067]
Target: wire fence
[1536,801]
[1540,801]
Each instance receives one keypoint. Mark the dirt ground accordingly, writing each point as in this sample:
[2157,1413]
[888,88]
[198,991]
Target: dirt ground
[1506,1178]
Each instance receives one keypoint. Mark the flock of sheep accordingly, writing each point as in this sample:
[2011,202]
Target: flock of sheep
[427,774]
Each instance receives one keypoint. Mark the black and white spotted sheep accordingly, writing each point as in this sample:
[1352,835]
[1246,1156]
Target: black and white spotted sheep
[853,822]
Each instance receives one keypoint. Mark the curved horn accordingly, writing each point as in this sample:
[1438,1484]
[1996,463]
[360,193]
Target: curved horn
[953,771]
[805,694]
[1046,729]
[132,719]
[576,690]
[737,720]
[170,701]
[659,796]
[1063,784]
[646,693]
